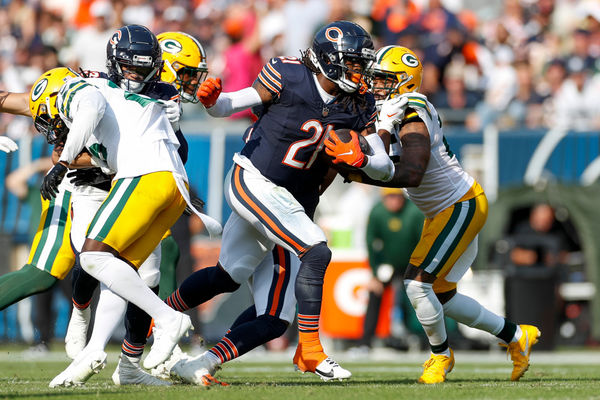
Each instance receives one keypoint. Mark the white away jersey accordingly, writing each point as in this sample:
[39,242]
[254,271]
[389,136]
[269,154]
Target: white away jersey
[444,181]
[133,136]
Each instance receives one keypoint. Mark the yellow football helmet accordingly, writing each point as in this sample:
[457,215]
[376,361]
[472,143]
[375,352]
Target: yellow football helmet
[184,63]
[396,70]
[42,103]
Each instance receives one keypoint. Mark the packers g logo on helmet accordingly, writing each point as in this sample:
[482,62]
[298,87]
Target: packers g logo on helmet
[42,103]
[410,60]
[171,46]
[38,89]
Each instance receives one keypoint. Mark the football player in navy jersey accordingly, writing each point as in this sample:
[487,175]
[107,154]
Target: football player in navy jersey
[275,183]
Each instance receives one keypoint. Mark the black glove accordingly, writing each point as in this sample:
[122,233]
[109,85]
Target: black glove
[90,177]
[198,204]
[51,181]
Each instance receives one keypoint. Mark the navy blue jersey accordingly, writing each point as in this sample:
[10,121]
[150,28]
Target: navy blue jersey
[158,91]
[283,144]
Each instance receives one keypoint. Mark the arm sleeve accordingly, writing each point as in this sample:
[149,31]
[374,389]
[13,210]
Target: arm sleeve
[88,109]
[379,166]
[232,102]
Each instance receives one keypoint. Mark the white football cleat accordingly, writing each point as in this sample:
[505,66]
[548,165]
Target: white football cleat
[193,369]
[329,369]
[163,370]
[76,336]
[198,370]
[166,337]
[79,371]
[128,372]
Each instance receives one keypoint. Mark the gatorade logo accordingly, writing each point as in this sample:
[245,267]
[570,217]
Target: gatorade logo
[350,293]
[410,60]
[171,46]
[37,91]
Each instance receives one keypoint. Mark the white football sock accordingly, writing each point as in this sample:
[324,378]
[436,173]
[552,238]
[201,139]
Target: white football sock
[468,311]
[120,278]
[429,310]
[109,314]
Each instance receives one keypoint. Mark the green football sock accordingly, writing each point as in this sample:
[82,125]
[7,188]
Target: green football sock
[25,282]
[168,262]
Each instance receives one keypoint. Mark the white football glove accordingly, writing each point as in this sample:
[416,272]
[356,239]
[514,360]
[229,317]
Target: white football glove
[173,110]
[7,144]
[392,112]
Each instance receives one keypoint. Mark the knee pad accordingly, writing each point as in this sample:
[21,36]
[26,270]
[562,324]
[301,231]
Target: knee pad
[315,261]
[91,261]
[423,299]
[151,277]
[276,326]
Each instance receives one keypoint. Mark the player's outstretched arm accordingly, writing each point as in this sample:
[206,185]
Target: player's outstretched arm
[228,103]
[15,103]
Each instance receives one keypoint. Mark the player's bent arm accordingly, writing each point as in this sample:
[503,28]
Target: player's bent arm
[88,113]
[83,159]
[15,103]
[411,166]
[379,166]
[232,102]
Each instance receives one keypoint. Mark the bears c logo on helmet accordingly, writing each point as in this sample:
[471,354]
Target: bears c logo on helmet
[39,89]
[410,60]
[171,46]
[116,38]
[334,38]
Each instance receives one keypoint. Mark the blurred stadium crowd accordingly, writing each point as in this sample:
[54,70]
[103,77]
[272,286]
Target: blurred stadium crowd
[516,63]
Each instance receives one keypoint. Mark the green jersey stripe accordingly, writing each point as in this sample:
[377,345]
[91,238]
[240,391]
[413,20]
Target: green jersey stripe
[105,203]
[62,222]
[461,232]
[45,229]
[70,95]
[442,237]
[110,221]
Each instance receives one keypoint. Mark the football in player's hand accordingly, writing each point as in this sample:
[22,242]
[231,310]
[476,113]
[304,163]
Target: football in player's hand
[344,135]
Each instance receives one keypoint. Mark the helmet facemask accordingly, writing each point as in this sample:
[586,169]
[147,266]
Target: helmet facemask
[387,85]
[52,127]
[134,76]
[188,80]
[346,69]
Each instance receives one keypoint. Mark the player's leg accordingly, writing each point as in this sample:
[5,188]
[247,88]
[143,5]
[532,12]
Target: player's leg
[275,213]
[132,222]
[168,263]
[272,288]
[137,324]
[444,239]
[27,281]
[129,224]
[83,284]
[50,257]
[518,338]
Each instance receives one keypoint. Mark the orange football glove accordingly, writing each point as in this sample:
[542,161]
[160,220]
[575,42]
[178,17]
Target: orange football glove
[209,91]
[348,153]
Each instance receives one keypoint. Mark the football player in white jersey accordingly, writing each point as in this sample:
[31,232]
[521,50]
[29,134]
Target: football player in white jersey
[455,207]
[149,193]
[51,256]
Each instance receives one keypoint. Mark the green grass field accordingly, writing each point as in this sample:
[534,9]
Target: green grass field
[554,377]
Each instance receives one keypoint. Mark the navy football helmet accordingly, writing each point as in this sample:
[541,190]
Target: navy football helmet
[343,51]
[133,49]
